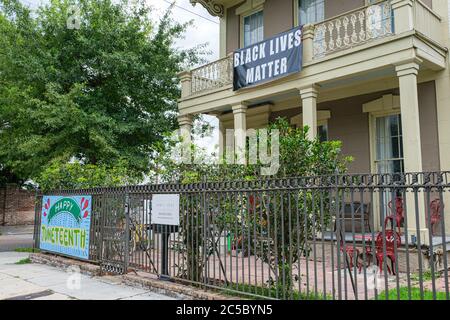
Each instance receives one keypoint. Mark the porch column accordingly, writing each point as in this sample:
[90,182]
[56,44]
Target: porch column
[221,139]
[185,122]
[221,132]
[240,131]
[412,148]
[309,105]
[409,108]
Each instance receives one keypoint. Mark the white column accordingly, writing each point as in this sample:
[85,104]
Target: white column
[412,147]
[409,107]
[403,15]
[240,132]
[221,139]
[221,132]
[186,83]
[309,105]
[185,122]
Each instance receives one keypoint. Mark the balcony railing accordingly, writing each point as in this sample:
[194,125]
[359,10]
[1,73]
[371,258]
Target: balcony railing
[349,30]
[426,21]
[214,75]
[352,29]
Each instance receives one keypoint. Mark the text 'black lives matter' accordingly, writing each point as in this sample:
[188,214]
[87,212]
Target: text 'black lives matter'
[268,60]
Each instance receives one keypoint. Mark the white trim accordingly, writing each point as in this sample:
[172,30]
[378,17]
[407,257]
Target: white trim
[241,22]
[385,106]
[249,5]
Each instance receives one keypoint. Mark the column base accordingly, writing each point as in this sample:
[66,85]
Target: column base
[424,236]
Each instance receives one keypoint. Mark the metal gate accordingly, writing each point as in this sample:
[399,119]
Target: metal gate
[114,232]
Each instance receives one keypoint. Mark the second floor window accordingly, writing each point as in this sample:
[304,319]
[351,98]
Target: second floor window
[311,11]
[253,28]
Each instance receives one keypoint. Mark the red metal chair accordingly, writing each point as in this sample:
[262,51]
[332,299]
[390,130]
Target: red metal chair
[392,239]
[351,254]
[435,207]
[397,214]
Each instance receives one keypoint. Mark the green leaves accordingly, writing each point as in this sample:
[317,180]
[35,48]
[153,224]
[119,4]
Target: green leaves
[63,175]
[97,94]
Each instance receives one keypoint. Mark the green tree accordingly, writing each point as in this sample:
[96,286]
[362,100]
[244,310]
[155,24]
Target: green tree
[93,86]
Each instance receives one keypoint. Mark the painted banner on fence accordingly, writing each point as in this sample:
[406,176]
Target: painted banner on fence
[65,225]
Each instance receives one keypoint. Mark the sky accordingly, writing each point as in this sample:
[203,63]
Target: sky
[205,29]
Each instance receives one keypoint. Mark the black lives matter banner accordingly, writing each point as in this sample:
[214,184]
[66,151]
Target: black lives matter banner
[268,60]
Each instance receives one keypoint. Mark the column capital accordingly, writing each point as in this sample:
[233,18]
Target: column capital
[408,67]
[310,91]
[308,31]
[239,107]
[185,119]
[185,76]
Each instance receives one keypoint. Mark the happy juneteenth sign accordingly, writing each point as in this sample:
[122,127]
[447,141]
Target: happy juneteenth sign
[65,225]
[268,60]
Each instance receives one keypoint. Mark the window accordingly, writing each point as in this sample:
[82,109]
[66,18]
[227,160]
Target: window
[311,11]
[389,145]
[322,132]
[253,28]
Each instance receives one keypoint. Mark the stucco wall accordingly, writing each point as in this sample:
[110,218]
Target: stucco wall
[278,16]
[233,25]
[429,2]
[428,126]
[337,7]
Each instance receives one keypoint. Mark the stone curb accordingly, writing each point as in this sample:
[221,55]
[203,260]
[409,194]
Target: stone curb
[63,263]
[171,289]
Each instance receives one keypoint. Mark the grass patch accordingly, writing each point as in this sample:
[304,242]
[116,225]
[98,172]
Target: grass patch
[23,261]
[29,250]
[427,275]
[415,294]
[270,293]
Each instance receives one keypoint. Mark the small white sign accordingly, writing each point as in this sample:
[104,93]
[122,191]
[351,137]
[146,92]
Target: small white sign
[166,209]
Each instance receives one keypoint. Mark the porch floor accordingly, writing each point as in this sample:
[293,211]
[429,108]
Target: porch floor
[358,237]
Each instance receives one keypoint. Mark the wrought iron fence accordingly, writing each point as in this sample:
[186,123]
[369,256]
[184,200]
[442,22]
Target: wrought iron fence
[331,237]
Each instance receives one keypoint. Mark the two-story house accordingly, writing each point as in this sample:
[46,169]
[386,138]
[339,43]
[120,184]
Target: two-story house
[375,75]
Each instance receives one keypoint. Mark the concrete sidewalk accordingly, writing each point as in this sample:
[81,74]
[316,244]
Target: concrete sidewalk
[41,282]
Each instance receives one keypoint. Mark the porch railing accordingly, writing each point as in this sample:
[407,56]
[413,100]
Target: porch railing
[332,237]
[214,75]
[353,28]
[427,21]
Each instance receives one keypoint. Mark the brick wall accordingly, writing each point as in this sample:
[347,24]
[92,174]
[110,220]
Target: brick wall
[16,206]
